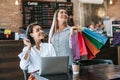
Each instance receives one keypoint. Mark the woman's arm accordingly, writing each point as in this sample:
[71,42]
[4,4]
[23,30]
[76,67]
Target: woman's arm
[27,42]
[24,62]
[24,55]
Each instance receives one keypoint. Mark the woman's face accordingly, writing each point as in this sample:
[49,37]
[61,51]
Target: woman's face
[62,15]
[37,33]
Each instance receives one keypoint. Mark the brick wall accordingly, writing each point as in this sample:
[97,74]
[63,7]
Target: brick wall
[11,14]
[113,11]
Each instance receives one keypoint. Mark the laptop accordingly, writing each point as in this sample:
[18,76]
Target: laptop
[54,65]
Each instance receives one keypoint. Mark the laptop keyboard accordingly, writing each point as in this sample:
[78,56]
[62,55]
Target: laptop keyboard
[57,77]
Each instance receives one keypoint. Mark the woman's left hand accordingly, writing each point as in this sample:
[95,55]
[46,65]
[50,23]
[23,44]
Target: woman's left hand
[77,27]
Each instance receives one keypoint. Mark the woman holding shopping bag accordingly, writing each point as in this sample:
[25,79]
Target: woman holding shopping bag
[60,34]
[62,37]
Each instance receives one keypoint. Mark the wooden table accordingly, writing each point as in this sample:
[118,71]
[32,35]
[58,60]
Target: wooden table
[93,72]
[100,72]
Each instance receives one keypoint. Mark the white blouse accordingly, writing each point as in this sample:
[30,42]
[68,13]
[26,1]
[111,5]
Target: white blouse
[61,42]
[33,61]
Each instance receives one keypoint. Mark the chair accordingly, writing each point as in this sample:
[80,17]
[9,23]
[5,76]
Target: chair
[95,61]
[25,72]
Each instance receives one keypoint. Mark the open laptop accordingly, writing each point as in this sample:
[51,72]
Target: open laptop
[54,65]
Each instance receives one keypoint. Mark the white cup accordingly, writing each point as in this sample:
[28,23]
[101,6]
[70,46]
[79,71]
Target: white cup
[75,76]
[75,68]
[16,36]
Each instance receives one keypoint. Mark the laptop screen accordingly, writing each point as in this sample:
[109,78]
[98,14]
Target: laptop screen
[54,65]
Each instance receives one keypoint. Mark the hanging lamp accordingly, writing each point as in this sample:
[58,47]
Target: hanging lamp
[16,2]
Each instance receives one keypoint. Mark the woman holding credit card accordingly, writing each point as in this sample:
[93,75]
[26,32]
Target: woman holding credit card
[34,49]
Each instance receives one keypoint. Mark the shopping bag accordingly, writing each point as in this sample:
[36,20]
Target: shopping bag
[91,47]
[90,56]
[96,43]
[116,38]
[81,43]
[97,36]
[75,46]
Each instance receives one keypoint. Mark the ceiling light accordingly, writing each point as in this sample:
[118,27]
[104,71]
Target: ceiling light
[110,2]
[16,2]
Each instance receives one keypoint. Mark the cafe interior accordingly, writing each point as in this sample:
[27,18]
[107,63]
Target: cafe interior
[98,16]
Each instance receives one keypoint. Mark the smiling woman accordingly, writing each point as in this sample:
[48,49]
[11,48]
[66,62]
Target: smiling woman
[34,49]
[59,34]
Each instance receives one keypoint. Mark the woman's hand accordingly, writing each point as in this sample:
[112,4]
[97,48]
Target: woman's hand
[27,42]
[77,27]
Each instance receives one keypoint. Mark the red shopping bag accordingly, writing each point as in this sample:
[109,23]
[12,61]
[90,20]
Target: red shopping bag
[82,46]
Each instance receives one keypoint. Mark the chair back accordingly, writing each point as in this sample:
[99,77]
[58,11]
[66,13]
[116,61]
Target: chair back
[25,72]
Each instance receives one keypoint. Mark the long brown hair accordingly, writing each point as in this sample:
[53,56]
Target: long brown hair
[56,14]
[30,30]
[54,26]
